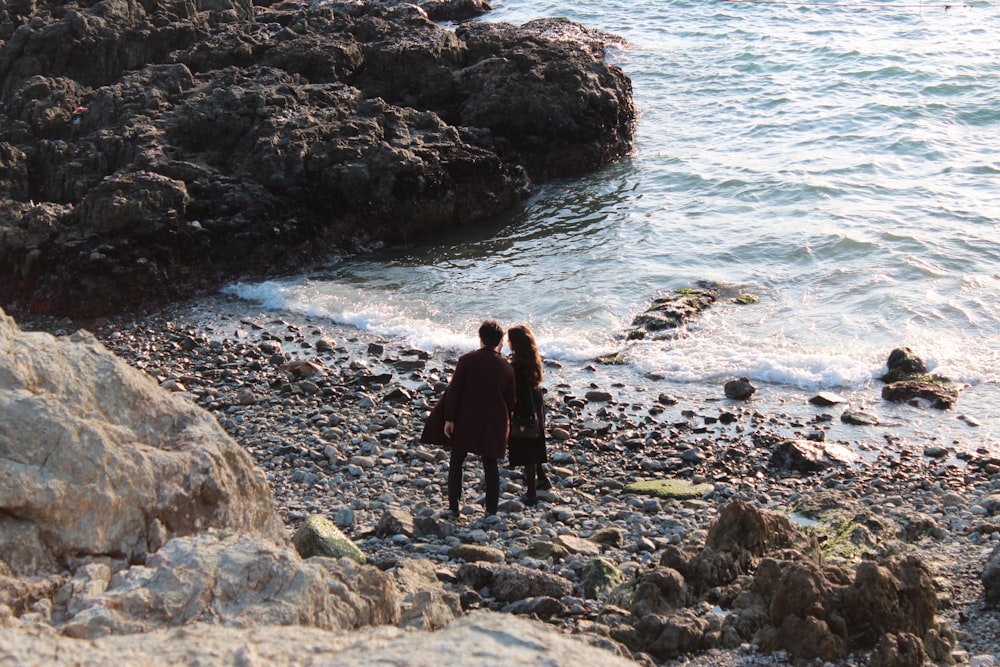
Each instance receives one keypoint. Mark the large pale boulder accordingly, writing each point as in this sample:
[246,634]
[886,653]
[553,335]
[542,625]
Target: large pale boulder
[97,460]
[482,639]
[235,581]
[426,603]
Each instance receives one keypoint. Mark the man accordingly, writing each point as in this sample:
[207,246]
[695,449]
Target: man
[475,410]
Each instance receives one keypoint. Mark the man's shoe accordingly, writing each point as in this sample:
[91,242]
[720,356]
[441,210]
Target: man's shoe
[530,501]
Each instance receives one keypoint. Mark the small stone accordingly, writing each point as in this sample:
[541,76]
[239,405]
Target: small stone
[472,553]
[540,606]
[826,399]
[301,368]
[858,418]
[610,536]
[599,577]
[576,545]
[344,517]
[173,385]
[991,503]
[692,455]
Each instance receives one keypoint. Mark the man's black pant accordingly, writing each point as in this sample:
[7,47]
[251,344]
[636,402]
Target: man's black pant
[491,472]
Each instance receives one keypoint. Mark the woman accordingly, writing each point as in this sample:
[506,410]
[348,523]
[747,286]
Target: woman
[528,451]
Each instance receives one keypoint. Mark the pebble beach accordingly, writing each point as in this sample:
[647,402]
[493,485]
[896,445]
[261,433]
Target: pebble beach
[333,416]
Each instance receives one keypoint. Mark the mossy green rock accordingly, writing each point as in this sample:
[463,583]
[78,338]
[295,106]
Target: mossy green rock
[546,550]
[668,488]
[472,553]
[845,528]
[600,577]
[318,536]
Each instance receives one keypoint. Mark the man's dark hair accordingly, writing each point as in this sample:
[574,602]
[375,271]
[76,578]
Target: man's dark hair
[490,333]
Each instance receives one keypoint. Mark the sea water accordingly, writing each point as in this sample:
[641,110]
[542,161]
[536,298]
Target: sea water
[840,161]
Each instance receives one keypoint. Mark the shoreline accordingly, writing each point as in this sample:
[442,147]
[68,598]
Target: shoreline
[344,442]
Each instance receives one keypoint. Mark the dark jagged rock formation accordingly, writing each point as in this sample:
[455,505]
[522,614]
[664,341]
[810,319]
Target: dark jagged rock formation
[151,149]
[781,596]
[671,311]
[907,381]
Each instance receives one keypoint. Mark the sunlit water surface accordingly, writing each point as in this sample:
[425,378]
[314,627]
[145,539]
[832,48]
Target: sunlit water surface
[841,161]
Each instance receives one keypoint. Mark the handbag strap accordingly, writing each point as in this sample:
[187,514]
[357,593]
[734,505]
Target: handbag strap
[531,401]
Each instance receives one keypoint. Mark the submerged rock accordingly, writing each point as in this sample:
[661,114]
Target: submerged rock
[938,394]
[858,418]
[826,399]
[903,364]
[670,312]
[740,389]
[907,381]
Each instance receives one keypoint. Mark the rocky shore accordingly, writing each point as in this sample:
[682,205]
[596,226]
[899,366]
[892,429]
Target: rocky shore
[678,530]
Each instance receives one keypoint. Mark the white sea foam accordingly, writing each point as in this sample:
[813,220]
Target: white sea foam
[711,352]
[295,296]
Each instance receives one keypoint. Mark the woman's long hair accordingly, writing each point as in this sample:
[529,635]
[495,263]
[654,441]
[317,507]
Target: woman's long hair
[525,355]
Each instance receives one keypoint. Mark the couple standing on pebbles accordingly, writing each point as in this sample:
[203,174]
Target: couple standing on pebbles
[493,407]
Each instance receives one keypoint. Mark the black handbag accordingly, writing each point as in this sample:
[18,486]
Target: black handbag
[526,426]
